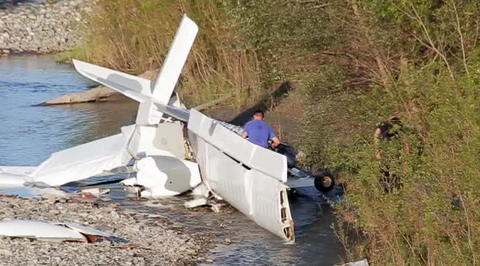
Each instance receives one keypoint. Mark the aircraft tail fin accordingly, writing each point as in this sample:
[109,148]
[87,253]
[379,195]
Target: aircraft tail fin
[164,85]
[154,96]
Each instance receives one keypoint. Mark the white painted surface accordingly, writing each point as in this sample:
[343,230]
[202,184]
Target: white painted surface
[17,170]
[175,60]
[169,137]
[39,230]
[266,161]
[131,86]
[86,230]
[162,139]
[253,187]
[165,176]
[83,161]
[363,262]
[8,180]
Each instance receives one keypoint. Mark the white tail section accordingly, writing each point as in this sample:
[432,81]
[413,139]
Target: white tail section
[153,96]
[175,60]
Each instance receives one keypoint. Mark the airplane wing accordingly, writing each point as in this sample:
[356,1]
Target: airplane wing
[85,160]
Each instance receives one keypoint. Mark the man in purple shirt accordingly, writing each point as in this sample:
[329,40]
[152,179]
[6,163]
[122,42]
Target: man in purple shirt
[258,132]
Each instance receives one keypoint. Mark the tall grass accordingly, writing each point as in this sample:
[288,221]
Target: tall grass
[135,35]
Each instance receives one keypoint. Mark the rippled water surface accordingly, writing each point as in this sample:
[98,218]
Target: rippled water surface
[29,134]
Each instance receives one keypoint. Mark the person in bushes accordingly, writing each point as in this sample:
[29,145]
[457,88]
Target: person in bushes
[259,133]
[389,139]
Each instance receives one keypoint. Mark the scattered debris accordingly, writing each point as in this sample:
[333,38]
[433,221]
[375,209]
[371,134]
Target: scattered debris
[53,231]
[195,203]
[363,262]
[97,192]
[216,207]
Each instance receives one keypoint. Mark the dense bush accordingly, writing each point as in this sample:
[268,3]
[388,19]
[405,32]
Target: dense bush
[424,69]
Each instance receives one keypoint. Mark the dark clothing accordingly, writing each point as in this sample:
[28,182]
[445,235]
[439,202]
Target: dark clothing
[259,132]
[389,130]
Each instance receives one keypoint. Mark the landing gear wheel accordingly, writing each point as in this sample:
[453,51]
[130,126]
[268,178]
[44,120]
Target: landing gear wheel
[324,182]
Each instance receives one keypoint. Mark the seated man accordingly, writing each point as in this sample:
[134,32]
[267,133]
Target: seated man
[258,132]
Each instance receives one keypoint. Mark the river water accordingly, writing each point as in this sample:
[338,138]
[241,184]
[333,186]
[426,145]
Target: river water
[29,134]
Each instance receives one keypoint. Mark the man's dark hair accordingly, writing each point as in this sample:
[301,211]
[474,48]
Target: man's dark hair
[259,112]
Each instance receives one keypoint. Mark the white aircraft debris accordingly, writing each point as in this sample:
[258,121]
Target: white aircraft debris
[249,177]
[53,231]
[363,262]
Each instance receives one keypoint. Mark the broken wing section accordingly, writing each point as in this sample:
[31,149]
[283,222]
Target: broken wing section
[247,176]
[14,176]
[85,160]
[263,160]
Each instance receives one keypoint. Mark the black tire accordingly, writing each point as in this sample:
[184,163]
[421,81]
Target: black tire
[324,181]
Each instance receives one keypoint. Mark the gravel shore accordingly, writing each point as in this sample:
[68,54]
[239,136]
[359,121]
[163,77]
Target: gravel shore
[151,242]
[42,27]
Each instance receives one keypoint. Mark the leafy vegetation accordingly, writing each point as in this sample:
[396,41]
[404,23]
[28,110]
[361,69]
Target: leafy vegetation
[356,63]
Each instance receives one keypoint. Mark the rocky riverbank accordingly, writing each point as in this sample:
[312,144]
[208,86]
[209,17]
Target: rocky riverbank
[42,27]
[151,241]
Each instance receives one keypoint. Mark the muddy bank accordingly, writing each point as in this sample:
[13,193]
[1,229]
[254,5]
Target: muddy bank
[154,243]
[42,27]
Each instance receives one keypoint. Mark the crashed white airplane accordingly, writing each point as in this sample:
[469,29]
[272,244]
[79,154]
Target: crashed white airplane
[174,150]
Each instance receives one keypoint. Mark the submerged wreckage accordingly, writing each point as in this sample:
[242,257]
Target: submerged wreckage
[173,150]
